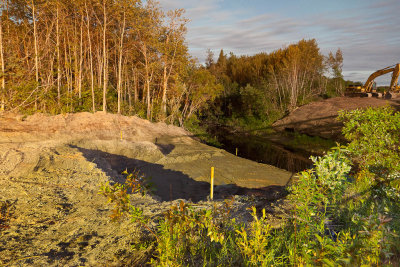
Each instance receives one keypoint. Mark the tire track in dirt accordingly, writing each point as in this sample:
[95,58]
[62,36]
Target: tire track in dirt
[53,166]
[10,160]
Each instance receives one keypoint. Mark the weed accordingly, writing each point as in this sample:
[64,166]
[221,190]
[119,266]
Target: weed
[345,211]
[117,194]
[7,209]
[254,243]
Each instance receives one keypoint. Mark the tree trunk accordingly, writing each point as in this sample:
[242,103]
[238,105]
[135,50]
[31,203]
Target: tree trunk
[3,79]
[36,52]
[91,60]
[166,74]
[74,60]
[135,86]
[80,61]
[120,65]
[129,92]
[147,81]
[58,57]
[164,91]
[105,81]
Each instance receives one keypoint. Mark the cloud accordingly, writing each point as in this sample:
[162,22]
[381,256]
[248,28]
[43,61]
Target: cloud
[256,19]
[367,33]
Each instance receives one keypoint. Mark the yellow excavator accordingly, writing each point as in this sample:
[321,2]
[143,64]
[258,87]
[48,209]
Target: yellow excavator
[369,89]
[393,84]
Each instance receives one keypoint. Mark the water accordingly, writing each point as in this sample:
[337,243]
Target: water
[262,150]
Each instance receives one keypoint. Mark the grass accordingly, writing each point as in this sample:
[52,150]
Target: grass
[194,126]
[313,144]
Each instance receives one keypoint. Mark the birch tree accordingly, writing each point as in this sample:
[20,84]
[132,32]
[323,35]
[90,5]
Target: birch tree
[173,50]
[3,79]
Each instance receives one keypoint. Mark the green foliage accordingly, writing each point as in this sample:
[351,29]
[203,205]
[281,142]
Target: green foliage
[256,242]
[335,85]
[201,88]
[187,236]
[194,126]
[374,138]
[253,102]
[341,215]
[315,195]
[314,144]
[263,86]
[332,171]
[117,194]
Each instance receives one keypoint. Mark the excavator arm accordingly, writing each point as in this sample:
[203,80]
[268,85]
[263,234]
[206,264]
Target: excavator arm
[367,88]
[395,78]
[368,84]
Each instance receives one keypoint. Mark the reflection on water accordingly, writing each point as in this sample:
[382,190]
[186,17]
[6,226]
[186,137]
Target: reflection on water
[262,150]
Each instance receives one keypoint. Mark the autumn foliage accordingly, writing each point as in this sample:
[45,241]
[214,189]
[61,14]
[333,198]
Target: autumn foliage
[265,86]
[120,56]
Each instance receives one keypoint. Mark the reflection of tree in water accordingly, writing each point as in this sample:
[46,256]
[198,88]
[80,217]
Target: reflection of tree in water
[263,151]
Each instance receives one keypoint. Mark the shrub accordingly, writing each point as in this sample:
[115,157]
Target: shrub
[7,209]
[340,215]
[374,136]
[117,193]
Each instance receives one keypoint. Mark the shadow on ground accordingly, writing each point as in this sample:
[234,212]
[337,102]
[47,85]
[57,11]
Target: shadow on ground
[171,185]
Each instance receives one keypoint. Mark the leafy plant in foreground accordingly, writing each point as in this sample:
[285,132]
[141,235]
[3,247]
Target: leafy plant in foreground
[117,193]
[312,237]
[374,136]
[255,243]
[7,209]
[344,211]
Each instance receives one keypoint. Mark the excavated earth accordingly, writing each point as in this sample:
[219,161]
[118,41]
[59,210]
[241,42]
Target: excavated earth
[51,168]
[319,118]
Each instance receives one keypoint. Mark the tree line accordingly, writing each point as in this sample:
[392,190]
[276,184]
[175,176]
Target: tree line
[131,57]
[265,86]
[122,56]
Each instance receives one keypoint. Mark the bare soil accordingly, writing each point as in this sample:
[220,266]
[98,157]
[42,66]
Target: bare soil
[319,118]
[51,168]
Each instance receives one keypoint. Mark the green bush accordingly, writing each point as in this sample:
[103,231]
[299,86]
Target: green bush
[188,236]
[344,211]
[374,136]
[193,125]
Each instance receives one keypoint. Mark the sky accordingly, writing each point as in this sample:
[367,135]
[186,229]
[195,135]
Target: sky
[367,31]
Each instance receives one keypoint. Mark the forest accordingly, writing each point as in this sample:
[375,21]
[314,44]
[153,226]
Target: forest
[122,56]
[131,57]
[263,87]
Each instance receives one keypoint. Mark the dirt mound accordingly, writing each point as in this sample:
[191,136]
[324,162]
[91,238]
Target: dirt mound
[51,168]
[319,118]
[100,125]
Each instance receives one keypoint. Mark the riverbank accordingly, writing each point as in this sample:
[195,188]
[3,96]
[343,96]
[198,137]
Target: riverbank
[288,143]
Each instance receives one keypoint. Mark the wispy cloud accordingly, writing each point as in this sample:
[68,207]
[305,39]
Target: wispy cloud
[368,34]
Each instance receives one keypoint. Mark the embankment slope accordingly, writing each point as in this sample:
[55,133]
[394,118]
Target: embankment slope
[52,166]
[319,118]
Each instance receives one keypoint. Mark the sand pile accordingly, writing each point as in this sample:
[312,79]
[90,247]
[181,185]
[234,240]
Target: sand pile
[51,168]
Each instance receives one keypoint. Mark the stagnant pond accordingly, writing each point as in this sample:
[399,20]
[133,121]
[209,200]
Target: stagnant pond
[261,149]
